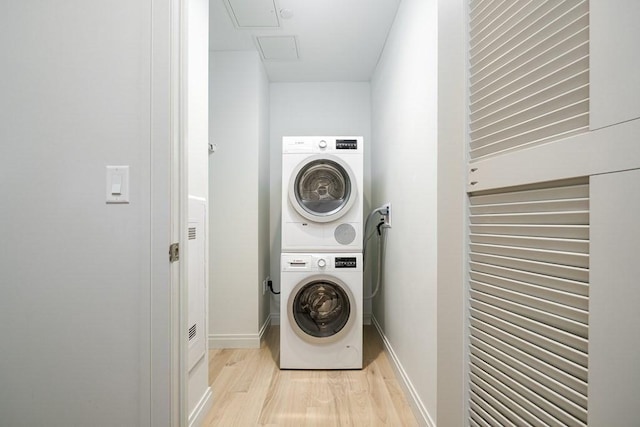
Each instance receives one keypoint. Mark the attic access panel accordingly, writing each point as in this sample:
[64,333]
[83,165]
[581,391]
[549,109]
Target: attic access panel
[278,48]
[253,14]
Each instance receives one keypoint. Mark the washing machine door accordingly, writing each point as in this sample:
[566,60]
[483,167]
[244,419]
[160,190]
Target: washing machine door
[321,309]
[322,188]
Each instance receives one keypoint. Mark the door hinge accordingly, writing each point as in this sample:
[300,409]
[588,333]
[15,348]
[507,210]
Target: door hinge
[174,252]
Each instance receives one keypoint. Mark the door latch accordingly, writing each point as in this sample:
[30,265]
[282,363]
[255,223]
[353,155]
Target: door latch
[174,252]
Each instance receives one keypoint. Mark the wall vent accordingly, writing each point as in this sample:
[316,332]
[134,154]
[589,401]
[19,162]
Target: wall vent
[529,73]
[192,331]
[528,305]
[192,233]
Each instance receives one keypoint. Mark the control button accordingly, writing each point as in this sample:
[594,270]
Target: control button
[322,263]
[322,144]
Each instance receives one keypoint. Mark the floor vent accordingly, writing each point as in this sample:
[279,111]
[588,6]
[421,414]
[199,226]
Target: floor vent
[528,306]
[529,73]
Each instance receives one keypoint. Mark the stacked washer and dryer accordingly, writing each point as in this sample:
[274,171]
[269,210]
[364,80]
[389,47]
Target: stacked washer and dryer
[321,264]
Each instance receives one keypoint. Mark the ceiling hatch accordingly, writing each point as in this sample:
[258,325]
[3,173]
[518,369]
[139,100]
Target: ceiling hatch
[278,48]
[253,14]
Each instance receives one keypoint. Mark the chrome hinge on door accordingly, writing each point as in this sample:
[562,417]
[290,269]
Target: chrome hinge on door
[174,252]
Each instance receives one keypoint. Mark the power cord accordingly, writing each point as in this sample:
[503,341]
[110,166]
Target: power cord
[380,227]
[270,285]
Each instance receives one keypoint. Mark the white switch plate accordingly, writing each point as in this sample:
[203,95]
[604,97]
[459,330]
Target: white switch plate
[117,184]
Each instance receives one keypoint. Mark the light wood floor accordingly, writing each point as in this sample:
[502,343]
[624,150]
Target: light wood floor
[250,390]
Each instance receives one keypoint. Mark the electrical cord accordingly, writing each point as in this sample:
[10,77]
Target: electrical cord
[382,210]
[381,248]
[378,210]
[364,246]
[380,230]
[270,285]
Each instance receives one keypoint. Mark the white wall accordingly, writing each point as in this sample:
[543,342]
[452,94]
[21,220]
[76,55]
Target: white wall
[77,274]
[313,109]
[198,97]
[237,197]
[404,172]
[452,112]
[264,196]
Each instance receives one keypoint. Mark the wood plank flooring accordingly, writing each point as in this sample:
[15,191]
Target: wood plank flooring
[250,390]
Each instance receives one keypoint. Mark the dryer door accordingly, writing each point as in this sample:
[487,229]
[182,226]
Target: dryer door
[321,309]
[322,188]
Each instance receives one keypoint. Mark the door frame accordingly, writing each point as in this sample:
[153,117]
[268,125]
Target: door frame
[164,376]
[179,214]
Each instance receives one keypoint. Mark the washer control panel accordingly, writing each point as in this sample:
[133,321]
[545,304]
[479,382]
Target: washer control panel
[346,262]
[346,144]
[320,262]
[322,144]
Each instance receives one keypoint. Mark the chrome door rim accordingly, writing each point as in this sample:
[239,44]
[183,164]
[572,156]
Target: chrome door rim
[333,281]
[331,163]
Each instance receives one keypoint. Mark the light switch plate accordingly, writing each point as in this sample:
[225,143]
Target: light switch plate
[117,184]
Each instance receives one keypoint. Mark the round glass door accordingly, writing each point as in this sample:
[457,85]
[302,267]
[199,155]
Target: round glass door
[322,189]
[321,309]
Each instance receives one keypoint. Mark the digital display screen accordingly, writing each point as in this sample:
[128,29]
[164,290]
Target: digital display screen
[346,262]
[347,144]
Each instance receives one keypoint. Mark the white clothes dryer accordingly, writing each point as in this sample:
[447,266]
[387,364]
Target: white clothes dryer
[322,194]
[321,311]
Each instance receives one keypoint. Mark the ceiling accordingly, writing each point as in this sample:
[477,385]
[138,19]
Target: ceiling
[329,40]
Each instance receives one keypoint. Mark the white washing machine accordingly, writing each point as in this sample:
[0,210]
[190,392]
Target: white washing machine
[321,311]
[322,194]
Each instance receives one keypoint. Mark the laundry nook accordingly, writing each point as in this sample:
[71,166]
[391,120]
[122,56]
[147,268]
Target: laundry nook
[319,213]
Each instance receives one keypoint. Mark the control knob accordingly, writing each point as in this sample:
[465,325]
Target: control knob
[322,263]
[322,144]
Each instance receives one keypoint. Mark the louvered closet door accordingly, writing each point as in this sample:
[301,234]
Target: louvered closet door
[528,309]
[529,73]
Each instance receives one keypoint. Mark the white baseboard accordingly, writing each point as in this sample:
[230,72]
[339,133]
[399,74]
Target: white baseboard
[418,408]
[264,327]
[239,340]
[196,417]
[234,341]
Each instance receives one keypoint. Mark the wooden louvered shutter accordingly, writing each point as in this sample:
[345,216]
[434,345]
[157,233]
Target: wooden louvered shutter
[529,73]
[528,309]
